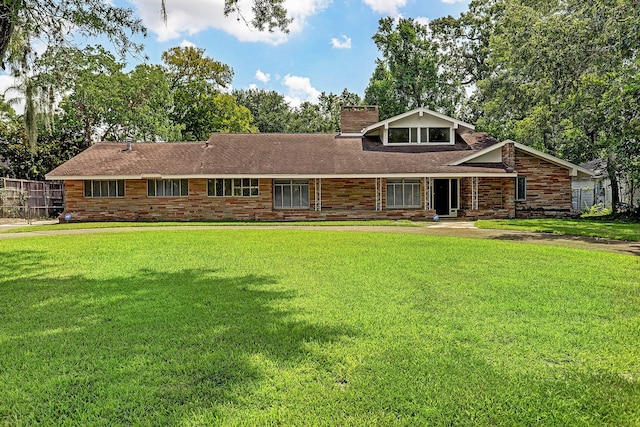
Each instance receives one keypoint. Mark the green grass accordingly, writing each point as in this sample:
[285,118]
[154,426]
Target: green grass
[577,227]
[93,225]
[293,327]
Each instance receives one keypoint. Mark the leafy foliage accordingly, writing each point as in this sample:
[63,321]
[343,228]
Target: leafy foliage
[557,75]
[409,74]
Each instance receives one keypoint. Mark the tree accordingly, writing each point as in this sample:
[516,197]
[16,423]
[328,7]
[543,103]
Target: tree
[113,105]
[50,20]
[553,74]
[270,111]
[409,74]
[197,82]
[330,107]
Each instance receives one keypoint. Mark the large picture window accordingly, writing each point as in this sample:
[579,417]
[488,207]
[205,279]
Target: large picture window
[237,187]
[403,193]
[104,188]
[521,188]
[291,194]
[168,187]
[424,135]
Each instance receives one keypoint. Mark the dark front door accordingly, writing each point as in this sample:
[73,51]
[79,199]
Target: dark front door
[441,196]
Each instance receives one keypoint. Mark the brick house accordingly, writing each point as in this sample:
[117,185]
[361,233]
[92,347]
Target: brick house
[411,166]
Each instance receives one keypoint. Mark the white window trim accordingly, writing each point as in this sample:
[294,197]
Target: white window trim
[92,196]
[233,187]
[403,182]
[419,134]
[290,183]
[163,180]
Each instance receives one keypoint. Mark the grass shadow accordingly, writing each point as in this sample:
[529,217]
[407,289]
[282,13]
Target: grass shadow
[582,242]
[152,347]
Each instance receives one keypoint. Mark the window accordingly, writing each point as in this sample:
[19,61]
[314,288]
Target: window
[168,187]
[439,135]
[105,188]
[237,187]
[291,194]
[419,135]
[403,135]
[403,193]
[521,188]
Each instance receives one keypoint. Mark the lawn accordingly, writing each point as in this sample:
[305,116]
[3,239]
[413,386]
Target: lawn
[293,327]
[629,231]
[125,224]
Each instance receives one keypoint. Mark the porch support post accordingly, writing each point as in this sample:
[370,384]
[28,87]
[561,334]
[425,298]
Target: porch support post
[317,184]
[429,194]
[474,192]
[425,185]
[378,194]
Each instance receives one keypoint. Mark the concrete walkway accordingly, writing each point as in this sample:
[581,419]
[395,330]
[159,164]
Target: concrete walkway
[455,228]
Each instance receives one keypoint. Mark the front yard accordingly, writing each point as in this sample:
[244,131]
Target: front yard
[629,231]
[299,327]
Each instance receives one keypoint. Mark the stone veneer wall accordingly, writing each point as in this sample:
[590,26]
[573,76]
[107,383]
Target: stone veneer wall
[341,199]
[548,188]
[495,198]
[548,194]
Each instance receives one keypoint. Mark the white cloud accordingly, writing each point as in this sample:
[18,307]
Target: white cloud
[253,86]
[387,7]
[345,43]
[299,90]
[262,77]
[453,1]
[422,20]
[187,43]
[189,17]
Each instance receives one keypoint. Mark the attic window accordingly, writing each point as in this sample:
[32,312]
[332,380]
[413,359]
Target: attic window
[439,135]
[419,135]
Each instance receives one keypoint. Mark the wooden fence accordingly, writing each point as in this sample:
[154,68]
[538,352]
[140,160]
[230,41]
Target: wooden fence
[20,198]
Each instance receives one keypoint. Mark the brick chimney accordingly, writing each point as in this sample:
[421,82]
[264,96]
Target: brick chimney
[354,118]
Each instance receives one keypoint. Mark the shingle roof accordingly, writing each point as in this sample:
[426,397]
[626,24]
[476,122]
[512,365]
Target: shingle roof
[268,155]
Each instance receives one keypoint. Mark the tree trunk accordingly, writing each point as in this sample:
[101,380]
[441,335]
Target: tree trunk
[615,189]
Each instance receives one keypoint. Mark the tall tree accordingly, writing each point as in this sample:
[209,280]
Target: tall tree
[408,75]
[197,82]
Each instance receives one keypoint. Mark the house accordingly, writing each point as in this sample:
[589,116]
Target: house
[597,190]
[411,166]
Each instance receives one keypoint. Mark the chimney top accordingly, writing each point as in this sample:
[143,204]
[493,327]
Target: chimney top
[354,118]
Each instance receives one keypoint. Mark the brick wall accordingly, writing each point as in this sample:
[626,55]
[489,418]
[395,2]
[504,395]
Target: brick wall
[548,194]
[509,155]
[495,198]
[357,194]
[355,118]
[341,199]
[548,188]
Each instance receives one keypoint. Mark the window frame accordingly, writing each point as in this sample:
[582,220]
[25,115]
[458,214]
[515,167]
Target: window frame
[182,184]
[403,183]
[521,189]
[89,188]
[233,187]
[292,185]
[418,135]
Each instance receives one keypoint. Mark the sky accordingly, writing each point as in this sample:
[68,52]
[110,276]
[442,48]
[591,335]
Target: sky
[329,47]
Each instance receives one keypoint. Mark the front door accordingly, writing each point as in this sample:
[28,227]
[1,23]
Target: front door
[441,201]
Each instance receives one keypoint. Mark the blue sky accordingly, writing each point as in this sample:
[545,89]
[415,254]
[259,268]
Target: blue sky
[329,47]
